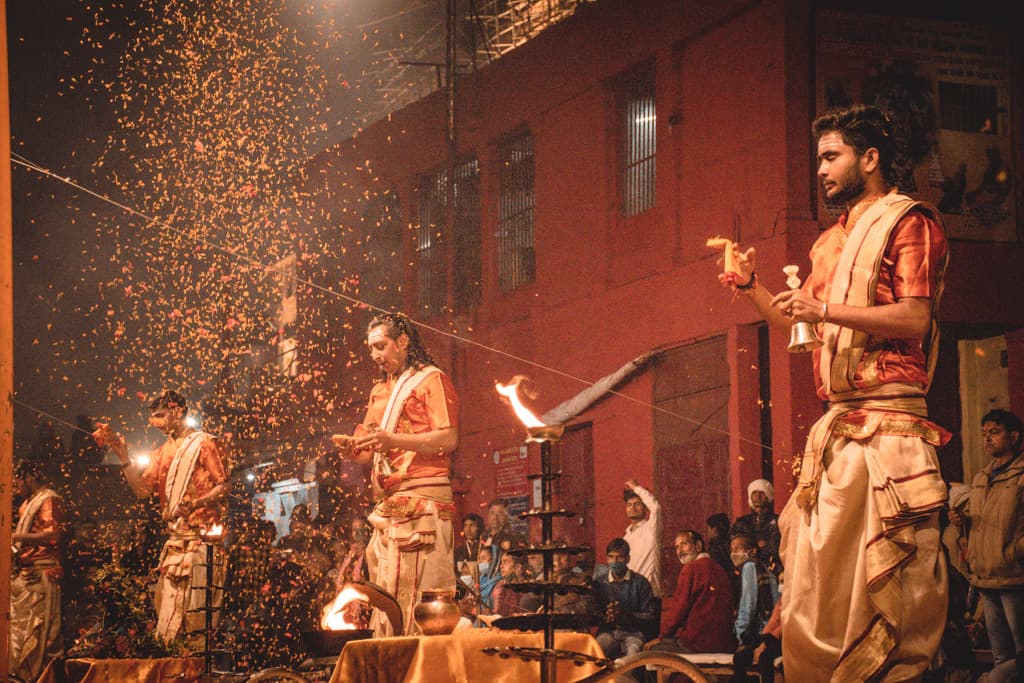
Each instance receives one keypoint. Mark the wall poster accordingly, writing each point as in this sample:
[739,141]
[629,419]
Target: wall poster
[946,82]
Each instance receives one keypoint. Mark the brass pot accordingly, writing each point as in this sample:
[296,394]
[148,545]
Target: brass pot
[437,613]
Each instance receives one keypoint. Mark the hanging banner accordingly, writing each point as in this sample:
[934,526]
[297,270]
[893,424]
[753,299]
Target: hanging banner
[948,81]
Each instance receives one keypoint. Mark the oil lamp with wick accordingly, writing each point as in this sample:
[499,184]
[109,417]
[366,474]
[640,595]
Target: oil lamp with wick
[546,436]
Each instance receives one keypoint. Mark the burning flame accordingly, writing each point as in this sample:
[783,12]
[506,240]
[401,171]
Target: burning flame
[335,616]
[216,531]
[522,412]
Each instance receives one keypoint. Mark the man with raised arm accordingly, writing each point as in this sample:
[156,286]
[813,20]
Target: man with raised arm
[187,472]
[866,581]
[408,434]
[644,535]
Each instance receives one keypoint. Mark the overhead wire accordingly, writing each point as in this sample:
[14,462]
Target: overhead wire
[23,161]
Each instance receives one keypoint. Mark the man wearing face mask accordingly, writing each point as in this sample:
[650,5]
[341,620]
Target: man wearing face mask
[759,591]
[769,647]
[698,616]
[624,605]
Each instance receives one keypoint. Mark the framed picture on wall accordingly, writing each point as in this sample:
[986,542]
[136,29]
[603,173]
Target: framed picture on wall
[947,87]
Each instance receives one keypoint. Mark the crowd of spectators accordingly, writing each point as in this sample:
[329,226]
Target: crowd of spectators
[725,597]
[727,594]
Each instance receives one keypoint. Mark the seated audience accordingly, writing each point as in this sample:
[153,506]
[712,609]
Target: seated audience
[489,576]
[571,602]
[504,600]
[718,540]
[469,548]
[768,649]
[759,590]
[762,523]
[624,602]
[698,616]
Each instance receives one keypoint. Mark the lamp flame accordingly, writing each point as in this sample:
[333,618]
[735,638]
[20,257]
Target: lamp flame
[336,615]
[216,531]
[524,414]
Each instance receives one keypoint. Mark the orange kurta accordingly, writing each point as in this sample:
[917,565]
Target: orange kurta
[911,268]
[208,473]
[432,405]
[412,544]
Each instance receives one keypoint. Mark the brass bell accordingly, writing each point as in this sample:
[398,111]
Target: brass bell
[802,337]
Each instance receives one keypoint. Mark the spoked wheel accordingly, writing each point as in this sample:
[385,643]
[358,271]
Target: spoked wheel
[276,675]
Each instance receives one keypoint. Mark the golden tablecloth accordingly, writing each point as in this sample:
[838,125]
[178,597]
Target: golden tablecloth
[123,670]
[457,658]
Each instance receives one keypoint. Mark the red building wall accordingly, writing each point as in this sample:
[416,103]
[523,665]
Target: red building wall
[734,101]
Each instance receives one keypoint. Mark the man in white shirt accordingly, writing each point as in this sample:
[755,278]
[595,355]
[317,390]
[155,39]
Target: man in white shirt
[644,534]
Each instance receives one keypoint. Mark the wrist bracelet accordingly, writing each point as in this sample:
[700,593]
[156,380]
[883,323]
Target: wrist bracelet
[751,283]
[824,311]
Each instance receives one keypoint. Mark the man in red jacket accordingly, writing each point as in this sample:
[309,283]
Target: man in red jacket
[698,616]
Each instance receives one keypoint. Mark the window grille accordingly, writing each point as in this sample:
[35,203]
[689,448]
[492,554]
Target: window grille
[969,108]
[466,278]
[432,264]
[432,242]
[516,257]
[638,143]
[380,281]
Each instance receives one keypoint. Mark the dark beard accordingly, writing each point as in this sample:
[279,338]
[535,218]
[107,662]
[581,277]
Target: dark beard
[853,187]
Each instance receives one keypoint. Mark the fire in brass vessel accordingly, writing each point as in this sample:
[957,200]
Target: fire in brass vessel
[437,613]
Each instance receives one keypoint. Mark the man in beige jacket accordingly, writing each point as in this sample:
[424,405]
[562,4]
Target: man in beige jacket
[995,546]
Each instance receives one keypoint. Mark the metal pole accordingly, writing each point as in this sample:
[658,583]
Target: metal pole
[208,604]
[6,354]
[547,664]
[449,190]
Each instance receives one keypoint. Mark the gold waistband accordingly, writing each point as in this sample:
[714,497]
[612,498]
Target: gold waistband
[888,425]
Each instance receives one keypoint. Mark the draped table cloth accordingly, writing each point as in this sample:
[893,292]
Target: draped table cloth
[458,658]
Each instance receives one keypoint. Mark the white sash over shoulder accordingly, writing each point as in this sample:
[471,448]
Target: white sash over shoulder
[182,466]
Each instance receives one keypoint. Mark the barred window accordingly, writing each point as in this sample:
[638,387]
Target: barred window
[432,264]
[466,275]
[638,142]
[516,257]
[380,281]
[433,237]
[969,108]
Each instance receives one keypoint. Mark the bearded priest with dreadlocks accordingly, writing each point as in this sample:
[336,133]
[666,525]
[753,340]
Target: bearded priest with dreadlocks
[408,434]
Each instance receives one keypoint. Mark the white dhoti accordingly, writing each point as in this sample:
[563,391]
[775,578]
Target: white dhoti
[407,556]
[180,596]
[865,594]
[35,622]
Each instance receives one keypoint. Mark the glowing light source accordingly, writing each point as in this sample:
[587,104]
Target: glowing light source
[192,421]
[335,616]
[524,414]
[142,459]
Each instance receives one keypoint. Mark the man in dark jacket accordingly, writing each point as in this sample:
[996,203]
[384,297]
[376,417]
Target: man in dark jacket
[624,600]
